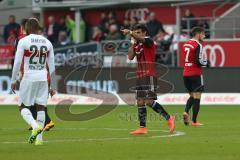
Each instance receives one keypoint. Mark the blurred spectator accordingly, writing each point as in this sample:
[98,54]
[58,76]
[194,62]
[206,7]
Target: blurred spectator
[174,46]
[97,34]
[52,30]
[161,35]
[205,25]
[113,20]
[63,39]
[164,41]
[103,25]
[62,24]
[71,26]
[70,23]
[11,30]
[153,24]
[114,33]
[182,37]
[133,21]
[189,21]
[22,32]
[126,23]
[111,15]
[83,28]
[41,32]
[12,37]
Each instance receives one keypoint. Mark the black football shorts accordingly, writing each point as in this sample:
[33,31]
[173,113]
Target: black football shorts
[146,87]
[194,83]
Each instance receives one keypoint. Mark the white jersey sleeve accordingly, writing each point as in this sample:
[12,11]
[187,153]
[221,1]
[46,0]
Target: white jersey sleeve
[18,60]
[51,66]
[200,59]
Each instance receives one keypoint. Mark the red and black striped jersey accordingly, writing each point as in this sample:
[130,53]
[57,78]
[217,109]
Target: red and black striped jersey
[146,55]
[193,58]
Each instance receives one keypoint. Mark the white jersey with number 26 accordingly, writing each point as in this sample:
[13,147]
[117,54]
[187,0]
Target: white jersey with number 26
[34,53]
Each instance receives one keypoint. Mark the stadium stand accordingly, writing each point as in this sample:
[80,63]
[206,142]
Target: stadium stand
[228,24]
[104,23]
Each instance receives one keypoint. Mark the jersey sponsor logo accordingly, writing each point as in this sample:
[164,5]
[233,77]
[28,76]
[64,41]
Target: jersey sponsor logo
[215,54]
[36,67]
[139,49]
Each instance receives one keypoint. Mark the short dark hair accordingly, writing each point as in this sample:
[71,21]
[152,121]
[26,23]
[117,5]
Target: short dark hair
[141,26]
[196,30]
[24,21]
[11,16]
[33,24]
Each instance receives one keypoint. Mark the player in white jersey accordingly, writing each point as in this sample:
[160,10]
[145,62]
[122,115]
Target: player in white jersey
[34,55]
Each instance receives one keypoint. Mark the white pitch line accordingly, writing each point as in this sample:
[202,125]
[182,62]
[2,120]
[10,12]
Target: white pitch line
[177,133]
[83,128]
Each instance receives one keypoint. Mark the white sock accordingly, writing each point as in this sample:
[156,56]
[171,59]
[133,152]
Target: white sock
[27,116]
[41,121]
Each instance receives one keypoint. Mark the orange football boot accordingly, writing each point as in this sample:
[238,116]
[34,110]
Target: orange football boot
[171,124]
[139,131]
[197,124]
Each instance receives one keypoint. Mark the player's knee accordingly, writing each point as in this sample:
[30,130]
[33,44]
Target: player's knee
[140,102]
[40,107]
[21,107]
[149,102]
[197,95]
[191,94]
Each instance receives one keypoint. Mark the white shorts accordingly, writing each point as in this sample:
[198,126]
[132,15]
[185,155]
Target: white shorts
[33,92]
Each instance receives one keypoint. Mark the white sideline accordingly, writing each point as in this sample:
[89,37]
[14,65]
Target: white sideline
[176,133]
[166,99]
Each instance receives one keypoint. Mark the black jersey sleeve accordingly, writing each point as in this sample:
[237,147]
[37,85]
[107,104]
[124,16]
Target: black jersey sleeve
[148,41]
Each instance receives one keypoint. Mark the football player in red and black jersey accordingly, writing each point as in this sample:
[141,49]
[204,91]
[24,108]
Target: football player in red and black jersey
[192,73]
[144,49]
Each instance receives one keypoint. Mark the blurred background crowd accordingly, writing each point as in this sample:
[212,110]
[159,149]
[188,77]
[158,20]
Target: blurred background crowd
[79,24]
[63,31]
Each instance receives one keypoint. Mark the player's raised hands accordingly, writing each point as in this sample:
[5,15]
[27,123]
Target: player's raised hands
[125,31]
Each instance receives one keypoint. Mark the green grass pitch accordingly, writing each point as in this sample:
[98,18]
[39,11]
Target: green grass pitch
[107,138]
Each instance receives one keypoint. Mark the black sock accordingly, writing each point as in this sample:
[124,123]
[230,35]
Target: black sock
[48,119]
[189,104]
[159,109]
[33,110]
[195,109]
[142,115]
